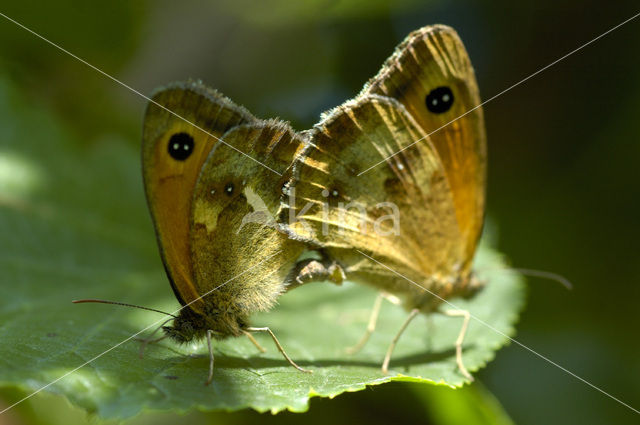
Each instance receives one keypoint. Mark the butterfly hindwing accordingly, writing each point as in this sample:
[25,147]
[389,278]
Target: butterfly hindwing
[234,226]
[403,213]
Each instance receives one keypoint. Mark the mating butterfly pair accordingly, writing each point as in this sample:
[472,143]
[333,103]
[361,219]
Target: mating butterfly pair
[397,174]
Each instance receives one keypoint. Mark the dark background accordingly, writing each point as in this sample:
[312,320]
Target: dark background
[564,150]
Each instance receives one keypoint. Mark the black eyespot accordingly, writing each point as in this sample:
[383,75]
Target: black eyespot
[228,189]
[439,100]
[180,146]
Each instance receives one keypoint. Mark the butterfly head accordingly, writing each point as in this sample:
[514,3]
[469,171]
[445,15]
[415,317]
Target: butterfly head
[471,285]
[190,325]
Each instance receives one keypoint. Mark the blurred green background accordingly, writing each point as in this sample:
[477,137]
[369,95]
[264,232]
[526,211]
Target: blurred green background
[563,195]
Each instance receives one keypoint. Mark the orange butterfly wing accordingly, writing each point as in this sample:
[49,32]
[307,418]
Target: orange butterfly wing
[431,75]
[173,151]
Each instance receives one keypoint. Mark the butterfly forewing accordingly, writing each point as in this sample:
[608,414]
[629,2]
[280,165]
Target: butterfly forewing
[431,75]
[173,151]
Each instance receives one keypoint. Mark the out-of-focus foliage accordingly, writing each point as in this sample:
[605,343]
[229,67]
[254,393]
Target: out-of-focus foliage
[105,34]
[391,403]
[283,13]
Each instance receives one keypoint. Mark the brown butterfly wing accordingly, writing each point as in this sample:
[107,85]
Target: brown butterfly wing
[431,58]
[169,182]
[236,241]
[339,211]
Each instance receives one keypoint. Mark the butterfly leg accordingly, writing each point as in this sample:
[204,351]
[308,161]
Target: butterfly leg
[387,358]
[371,326]
[315,270]
[465,324]
[150,340]
[211,359]
[146,341]
[253,340]
[275,340]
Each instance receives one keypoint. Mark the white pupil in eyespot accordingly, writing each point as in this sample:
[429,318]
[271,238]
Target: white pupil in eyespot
[176,146]
[439,100]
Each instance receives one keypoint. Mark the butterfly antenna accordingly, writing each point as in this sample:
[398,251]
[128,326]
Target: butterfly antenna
[540,273]
[122,304]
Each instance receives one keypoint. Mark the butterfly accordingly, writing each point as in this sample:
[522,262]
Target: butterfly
[237,202]
[402,171]
[201,186]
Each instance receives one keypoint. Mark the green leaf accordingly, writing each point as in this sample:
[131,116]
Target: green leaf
[74,224]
